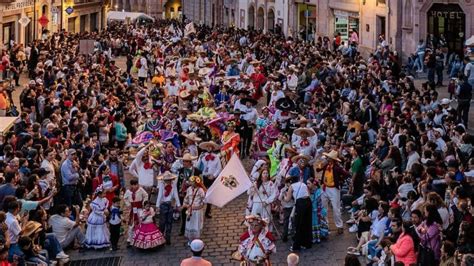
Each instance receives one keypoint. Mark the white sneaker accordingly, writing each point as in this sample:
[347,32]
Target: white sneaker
[61,255]
[353,228]
[350,221]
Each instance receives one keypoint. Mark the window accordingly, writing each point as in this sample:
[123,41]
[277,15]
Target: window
[407,14]
[381,2]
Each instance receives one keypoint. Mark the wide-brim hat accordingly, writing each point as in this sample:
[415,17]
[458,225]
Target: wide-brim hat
[285,104]
[255,62]
[188,157]
[166,176]
[334,155]
[245,100]
[291,149]
[310,132]
[300,156]
[209,146]
[195,117]
[252,217]
[184,93]
[192,136]
[246,92]
[31,227]
[445,101]
[204,71]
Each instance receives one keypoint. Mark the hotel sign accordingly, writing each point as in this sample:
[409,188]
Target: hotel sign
[17,5]
[447,14]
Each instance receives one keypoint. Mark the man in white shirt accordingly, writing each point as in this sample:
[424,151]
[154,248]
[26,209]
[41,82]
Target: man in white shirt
[167,201]
[210,165]
[172,87]
[66,230]
[14,228]
[249,117]
[413,156]
[143,69]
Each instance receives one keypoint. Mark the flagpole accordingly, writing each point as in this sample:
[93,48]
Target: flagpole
[269,214]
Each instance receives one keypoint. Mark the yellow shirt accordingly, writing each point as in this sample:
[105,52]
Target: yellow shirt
[329,178]
[3,102]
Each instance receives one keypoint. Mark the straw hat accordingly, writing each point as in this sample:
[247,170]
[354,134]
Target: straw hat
[195,117]
[334,155]
[209,146]
[188,157]
[258,218]
[255,62]
[192,136]
[184,93]
[166,176]
[310,132]
[31,227]
[300,156]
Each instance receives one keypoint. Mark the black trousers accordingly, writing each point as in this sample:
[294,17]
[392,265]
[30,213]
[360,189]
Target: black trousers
[183,217]
[208,183]
[303,220]
[114,234]
[246,143]
[463,111]
[286,221]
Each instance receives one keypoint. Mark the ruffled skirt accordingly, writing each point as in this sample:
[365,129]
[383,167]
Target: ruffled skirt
[148,236]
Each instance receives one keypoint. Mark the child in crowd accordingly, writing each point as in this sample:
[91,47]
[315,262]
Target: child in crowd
[115,223]
[147,234]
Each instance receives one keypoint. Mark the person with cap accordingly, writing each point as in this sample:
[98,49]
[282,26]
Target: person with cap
[184,174]
[190,143]
[257,243]
[305,144]
[167,202]
[70,178]
[197,247]
[331,179]
[134,198]
[97,234]
[193,202]
[210,164]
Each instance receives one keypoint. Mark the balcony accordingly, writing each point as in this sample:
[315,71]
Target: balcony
[6,1]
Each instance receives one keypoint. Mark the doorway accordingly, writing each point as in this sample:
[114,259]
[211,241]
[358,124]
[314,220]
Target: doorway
[381,25]
[448,20]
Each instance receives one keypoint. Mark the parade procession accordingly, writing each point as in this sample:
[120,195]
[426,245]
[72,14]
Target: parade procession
[167,141]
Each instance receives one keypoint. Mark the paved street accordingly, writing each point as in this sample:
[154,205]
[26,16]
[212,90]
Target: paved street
[221,235]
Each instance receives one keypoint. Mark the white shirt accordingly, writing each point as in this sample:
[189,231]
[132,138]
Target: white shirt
[300,190]
[173,194]
[137,169]
[210,167]
[469,71]
[143,71]
[14,228]
[61,226]
[412,159]
[172,89]
[47,165]
[250,114]
[378,227]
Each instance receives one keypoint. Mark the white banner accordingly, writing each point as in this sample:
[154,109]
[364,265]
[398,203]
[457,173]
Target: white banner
[189,28]
[231,183]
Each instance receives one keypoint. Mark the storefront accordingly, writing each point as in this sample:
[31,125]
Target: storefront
[344,22]
[448,20]
[306,20]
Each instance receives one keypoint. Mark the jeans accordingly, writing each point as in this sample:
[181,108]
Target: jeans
[15,253]
[439,73]
[166,219]
[52,245]
[419,61]
[71,195]
[74,234]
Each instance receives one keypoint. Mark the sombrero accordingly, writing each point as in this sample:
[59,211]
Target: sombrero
[183,93]
[215,120]
[254,62]
[291,149]
[334,155]
[31,227]
[285,104]
[242,91]
[306,130]
[166,176]
[300,156]
[245,100]
[192,136]
[195,117]
[188,157]
[209,146]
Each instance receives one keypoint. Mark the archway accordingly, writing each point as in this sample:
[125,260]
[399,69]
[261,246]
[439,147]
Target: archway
[271,20]
[251,15]
[260,19]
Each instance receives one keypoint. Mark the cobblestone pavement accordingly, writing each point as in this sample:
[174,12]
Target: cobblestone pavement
[221,233]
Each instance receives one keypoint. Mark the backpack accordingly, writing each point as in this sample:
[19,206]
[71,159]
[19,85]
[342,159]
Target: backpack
[138,64]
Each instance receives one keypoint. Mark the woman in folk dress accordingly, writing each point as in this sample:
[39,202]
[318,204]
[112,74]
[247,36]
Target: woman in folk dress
[147,235]
[230,141]
[97,234]
[262,195]
[194,203]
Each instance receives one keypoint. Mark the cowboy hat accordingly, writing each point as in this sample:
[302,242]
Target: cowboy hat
[332,155]
[244,91]
[245,100]
[285,104]
[166,176]
[255,62]
[204,71]
[258,218]
[184,93]
[310,132]
[188,157]
[445,101]
[195,117]
[31,227]
[300,156]
[209,146]
[192,136]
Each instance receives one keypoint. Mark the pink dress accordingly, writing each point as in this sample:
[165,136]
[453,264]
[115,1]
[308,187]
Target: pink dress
[147,234]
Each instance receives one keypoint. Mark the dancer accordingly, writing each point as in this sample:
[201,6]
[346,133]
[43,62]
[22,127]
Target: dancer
[134,198]
[257,244]
[194,203]
[147,235]
[97,234]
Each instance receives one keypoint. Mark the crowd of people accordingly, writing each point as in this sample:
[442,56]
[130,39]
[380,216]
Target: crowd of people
[99,151]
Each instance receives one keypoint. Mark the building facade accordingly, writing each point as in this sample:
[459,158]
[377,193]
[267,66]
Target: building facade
[210,12]
[77,15]
[263,15]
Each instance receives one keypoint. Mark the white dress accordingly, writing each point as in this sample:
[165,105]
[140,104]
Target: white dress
[97,234]
[195,221]
[261,201]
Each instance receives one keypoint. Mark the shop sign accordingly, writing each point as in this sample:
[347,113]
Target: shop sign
[345,14]
[447,14]
[69,10]
[43,21]
[17,5]
[24,21]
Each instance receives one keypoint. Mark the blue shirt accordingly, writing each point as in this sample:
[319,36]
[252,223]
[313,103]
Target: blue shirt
[68,174]
[295,171]
[6,190]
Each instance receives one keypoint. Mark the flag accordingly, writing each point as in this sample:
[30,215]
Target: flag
[171,29]
[231,183]
[189,28]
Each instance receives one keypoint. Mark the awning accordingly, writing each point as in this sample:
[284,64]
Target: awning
[123,16]
[470,41]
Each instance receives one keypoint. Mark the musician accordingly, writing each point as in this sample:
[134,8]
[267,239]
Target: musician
[184,174]
[257,244]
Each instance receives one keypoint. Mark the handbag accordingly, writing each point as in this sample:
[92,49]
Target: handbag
[426,254]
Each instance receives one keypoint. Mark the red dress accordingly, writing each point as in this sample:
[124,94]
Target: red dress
[230,144]
[97,181]
[258,80]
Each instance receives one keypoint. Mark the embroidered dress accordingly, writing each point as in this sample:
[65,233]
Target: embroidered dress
[254,247]
[147,234]
[261,201]
[195,218]
[319,222]
[97,234]
[230,144]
